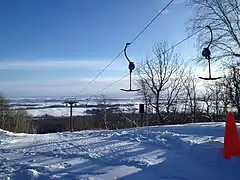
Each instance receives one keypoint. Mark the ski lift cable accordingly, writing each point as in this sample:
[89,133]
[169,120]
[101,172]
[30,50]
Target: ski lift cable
[134,39]
[108,86]
[175,45]
[116,81]
[144,29]
[85,87]
[188,37]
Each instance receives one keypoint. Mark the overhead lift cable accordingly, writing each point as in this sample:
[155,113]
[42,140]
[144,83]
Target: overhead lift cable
[134,39]
[175,45]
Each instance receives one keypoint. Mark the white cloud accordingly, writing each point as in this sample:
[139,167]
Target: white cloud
[166,11]
[64,87]
[179,1]
[56,64]
[161,4]
[73,86]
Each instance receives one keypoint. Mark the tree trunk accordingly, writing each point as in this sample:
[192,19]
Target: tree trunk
[160,118]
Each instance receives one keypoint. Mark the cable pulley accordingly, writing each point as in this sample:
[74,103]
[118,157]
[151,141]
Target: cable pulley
[131,67]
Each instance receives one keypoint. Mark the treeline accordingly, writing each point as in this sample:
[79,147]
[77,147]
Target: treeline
[171,77]
[15,120]
[185,93]
[108,117]
[170,87]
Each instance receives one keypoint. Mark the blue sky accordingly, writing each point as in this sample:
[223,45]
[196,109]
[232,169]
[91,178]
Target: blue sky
[55,47]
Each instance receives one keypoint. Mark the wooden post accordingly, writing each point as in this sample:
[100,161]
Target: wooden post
[141,111]
[71,119]
[71,103]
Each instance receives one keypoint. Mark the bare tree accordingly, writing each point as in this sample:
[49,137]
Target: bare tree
[15,120]
[223,16]
[129,118]
[206,98]
[190,84]
[231,82]
[224,97]
[172,93]
[146,95]
[159,78]
[3,113]
[215,92]
[103,103]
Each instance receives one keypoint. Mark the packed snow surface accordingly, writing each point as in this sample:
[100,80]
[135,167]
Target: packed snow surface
[179,152]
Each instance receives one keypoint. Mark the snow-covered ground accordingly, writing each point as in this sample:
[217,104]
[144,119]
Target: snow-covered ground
[37,107]
[179,152]
[57,112]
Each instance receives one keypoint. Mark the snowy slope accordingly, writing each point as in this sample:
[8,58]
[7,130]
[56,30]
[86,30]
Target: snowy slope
[181,152]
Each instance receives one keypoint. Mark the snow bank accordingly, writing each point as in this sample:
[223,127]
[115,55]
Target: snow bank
[179,152]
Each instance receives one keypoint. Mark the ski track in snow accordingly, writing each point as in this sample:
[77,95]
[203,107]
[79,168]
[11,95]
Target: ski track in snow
[180,152]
